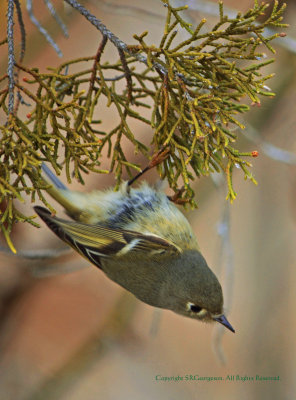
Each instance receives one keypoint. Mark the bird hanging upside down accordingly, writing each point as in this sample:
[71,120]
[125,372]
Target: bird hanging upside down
[141,241]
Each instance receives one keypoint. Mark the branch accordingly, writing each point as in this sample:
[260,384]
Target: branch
[113,38]
[11,57]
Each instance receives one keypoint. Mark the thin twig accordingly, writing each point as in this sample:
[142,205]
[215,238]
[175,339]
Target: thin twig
[131,11]
[226,261]
[42,30]
[268,148]
[35,254]
[22,52]
[96,62]
[155,323]
[56,17]
[22,29]
[116,78]
[128,75]
[11,57]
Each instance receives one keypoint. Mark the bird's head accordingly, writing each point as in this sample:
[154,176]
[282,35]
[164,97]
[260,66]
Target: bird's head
[193,290]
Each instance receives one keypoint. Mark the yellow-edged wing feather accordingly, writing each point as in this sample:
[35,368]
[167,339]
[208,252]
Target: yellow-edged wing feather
[96,241]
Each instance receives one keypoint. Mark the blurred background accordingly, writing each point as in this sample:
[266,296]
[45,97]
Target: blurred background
[67,332]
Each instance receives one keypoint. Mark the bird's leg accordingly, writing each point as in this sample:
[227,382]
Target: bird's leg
[177,197]
[157,159]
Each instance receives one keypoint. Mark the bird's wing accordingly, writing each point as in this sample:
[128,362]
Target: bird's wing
[96,241]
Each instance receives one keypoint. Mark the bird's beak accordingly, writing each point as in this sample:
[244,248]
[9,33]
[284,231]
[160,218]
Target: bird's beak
[222,319]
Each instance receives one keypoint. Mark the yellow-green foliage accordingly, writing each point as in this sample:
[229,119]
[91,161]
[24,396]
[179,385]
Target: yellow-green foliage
[195,88]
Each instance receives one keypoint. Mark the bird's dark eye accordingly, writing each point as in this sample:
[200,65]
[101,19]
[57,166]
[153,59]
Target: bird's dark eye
[194,308]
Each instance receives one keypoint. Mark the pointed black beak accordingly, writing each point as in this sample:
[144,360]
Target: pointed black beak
[222,319]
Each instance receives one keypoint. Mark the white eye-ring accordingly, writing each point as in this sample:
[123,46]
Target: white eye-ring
[194,308]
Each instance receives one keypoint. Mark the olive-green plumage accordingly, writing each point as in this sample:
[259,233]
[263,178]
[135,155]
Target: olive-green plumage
[142,242]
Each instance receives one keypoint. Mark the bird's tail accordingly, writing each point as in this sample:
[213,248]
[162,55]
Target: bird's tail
[59,192]
[52,177]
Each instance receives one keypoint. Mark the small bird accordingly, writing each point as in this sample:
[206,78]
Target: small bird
[141,241]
